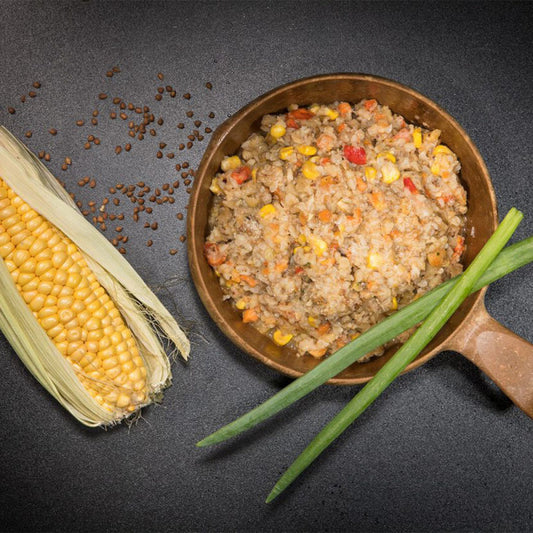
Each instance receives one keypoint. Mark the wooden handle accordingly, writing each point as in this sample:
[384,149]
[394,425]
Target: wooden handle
[504,356]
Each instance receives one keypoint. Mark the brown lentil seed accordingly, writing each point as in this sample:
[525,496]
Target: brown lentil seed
[153,132]
[181,146]
[94,121]
[109,73]
[170,155]
[187,96]
[52,131]
[185,164]
[189,114]
[102,96]
[158,97]
[95,113]
[116,100]
[140,136]
[179,216]
[123,116]
[47,157]
[189,145]
[112,115]
[149,210]
[159,120]
[23,98]
[181,125]
[160,76]
[159,154]
[162,145]
[41,154]
[173,251]
[68,160]
[149,242]
[122,105]
[11,110]
[209,85]
[32,94]
[122,250]
[118,149]
[87,146]
[127,147]
[92,183]
[96,140]
[80,122]
[208,130]
[182,238]
[197,123]
[36,84]
[28,134]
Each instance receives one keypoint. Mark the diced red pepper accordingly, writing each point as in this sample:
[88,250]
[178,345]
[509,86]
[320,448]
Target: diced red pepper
[357,156]
[242,174]
[370,104]
[301,114]
[408,184]
[213,254]
[291,123]
[298,270]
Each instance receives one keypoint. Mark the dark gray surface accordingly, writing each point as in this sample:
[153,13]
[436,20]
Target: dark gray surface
[442,449]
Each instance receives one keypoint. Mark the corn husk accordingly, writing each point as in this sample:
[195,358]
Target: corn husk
[150,322]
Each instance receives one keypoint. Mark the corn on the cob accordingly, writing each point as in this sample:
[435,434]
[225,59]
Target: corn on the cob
[73,309]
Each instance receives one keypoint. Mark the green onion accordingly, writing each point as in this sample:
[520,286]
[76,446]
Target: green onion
[510,259]
[407,353]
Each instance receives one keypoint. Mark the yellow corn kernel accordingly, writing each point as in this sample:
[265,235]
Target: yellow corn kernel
[280,339]
[295,250]
[315,108]
[310,170]
[302,239]
[240,304]
[254,173]
[319,245]
[331,113]
[267,210]
[231,163]
[286,152]
[277,131]
[306,149]
[374,260]
[390,172]
[370,173]
[441,149]
[394,304]
[312,321]
[387,155]
[215,187]
[417,137]
[435,168]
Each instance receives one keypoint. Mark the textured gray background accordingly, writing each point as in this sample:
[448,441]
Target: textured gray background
[442,449]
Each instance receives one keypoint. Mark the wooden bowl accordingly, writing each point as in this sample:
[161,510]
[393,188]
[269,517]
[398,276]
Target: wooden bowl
[470,331]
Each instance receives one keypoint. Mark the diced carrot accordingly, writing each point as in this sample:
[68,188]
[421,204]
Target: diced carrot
[325,142]
[325,160]
[301,114]
[344,108]
[323,328]
[361,185]
[435,259]
[330,261]
[213,254]
[302,217]
[281,267]
[249,280]
[378,200]
[326,181]
[318,353]
[370,104]
[379,117]
[356,217]
[459,247]
[341,127]
[291,123]
[324,215]
[250,315]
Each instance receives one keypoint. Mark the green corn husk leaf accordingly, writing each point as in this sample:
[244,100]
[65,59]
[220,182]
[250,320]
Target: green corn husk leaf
[144,314]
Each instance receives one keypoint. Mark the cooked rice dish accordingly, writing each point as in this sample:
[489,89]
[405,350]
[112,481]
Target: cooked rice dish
[332,217]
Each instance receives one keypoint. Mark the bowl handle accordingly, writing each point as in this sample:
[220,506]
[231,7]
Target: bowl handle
[504,356]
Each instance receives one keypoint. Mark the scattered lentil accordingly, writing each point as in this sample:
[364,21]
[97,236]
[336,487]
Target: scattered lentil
[52,131]
[102,96]
[11,110]
[80,122]
[209,85]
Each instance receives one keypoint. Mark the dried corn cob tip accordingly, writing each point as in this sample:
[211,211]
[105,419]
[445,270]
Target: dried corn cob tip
[66,300]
